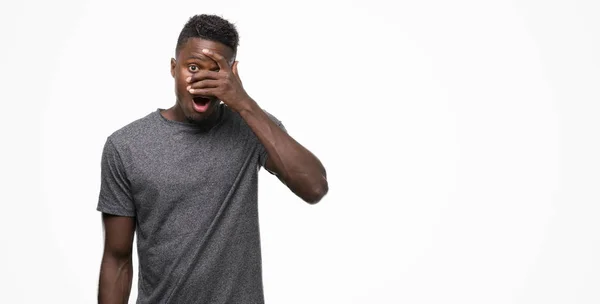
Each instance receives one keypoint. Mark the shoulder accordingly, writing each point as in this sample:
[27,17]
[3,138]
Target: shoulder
[273,118]
[135,130]
[236,118]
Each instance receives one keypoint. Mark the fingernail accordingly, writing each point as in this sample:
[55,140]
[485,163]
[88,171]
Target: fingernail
[205,51]
[188,79]
[189,88]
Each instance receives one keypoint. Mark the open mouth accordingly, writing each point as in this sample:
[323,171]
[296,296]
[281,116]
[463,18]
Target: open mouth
[201,103]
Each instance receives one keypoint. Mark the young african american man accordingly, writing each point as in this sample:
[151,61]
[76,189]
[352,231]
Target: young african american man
[185,179]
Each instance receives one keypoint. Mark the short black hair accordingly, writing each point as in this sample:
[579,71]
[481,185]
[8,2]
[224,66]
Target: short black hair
[209,27]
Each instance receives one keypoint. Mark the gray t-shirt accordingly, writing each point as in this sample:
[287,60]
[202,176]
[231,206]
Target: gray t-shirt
[194,195]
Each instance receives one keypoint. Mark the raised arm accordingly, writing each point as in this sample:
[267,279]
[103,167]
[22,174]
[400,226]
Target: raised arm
[116,270]
[295,166]
[299,169]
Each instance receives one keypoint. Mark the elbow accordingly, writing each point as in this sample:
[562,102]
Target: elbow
[318,192]
[118,256]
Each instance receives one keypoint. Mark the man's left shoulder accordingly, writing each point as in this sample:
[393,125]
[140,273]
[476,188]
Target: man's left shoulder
[238,120]
[274,119]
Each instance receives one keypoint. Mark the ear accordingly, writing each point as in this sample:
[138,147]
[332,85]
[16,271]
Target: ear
[173,65]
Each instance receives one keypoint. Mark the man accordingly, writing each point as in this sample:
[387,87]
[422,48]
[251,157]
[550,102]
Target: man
[185,179]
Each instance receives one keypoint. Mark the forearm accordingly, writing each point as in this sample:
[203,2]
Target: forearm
[296,166]
[116,276]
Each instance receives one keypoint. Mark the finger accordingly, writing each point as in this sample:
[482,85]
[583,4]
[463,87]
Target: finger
[203,92]
[203,84]
[218,58]
[203,74]
[235,71]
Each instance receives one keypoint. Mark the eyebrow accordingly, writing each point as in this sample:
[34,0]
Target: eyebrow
[201,58]
[206,58]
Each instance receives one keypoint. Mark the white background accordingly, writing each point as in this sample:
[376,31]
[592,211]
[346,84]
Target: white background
[461,140]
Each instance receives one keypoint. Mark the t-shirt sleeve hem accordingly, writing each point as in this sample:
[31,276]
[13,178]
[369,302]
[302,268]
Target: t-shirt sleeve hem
[117,212]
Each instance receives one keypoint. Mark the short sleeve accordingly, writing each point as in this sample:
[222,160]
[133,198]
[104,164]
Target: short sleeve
[115,189]
[263,156]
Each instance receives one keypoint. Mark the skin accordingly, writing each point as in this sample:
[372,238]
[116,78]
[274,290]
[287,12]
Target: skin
[208,68]
[116,270]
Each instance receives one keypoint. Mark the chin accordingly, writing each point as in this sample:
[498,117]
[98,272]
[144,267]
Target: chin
[196,117]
